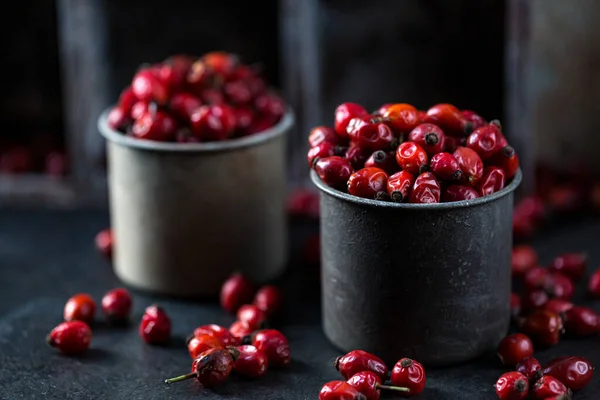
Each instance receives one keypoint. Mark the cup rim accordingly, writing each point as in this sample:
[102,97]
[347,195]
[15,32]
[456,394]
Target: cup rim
[428,206]
[281,128]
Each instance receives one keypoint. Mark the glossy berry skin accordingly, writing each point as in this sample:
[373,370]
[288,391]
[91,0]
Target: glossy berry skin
[452,143]
[492,181]
[213,123]
[570,264]
[274,345]
[155,327]
[199,344]
[174,70]
[594,284]
[117,119]
[270,105]
[241,330]
[139,109]
[237,92]
[534,299]
[409,374]
[548,386]
[80,307]
[449,118]
[218,332]
[384,160]
[236,291]
[581,321]
[412,158]
[320,134]
[470,164]
[530,367]
[430,137]
[487,141]
[334,171]
[251,362]
[523,258]
[147,86]
[340,390]
[559,286]
[126,100]
[475,119]
[512,386]
[368,182]
[104,242]
[558,306]
[508,160]
[157,125]
[183,105]
[445,167]
[213,367]
[324,150]
[367,383]
[401,117]
[116,306]
[535,278]
[372,136]
[73,337]
[344,113]
[251,314]
[574,372]
[244,118]
[399,185]
[514,348]
[357,361]
[269,299]
[357,156]
[543,327]
[426,189]
[458,193]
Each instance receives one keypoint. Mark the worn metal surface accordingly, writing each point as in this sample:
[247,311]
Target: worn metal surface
[431,282]
[186,216]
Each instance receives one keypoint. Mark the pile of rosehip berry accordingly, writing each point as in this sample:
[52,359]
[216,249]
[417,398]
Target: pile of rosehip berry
[189,99]
[543,313]
[364,373]
[402,154]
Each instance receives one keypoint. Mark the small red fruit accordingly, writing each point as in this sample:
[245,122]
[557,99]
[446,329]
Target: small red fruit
[581,321]
[548,386]
[558,306]
[514,348]
[487,141]
[251,314]
[535,278]
[534,299]
[218,332]
[251,362]
[430,137]
[80,307]
[445,167]
[320,134]
[236,290]
[357,361]
[303,203]
[384,160]
[147,86]
[117,119]
[215,122]
[399,185]
[126,100]
[543,327]
[412,158]
[452,143]
[512,386]
[449,118]
[357,156]
[530,367]
[155,327]
[523,259]
[212,97]
[492,181]
[340,390]
[531,207]
[241,330]
[508,160]
[334,171]
[174,71]
[570,264]
[368,183]
[155,125]
[139,109]
[222,63]
[426,189]
[369,384]
[270,105]
[238,92]
[458,193]
[559,286]
[199,344]
[594,284]
[402,117]
[183,105]
[268,299]
[116,305]
[368,135]
[574,372]
[104,242]
[324,150]
[71,337]
[274,345]
[470,163]
[344,113]
[210,368]
[409,374]
[244,117]
[475,119]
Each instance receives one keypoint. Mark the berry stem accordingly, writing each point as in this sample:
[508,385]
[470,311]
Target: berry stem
[180,378]
[396,388]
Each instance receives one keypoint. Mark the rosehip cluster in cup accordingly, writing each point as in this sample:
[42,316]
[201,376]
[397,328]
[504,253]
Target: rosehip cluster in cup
[364,374]
[189,99]
[402,154]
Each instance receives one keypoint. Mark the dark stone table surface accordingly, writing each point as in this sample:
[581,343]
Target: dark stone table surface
[47,256]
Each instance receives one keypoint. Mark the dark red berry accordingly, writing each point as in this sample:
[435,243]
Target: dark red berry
[445,167]
[244,117]
[412,158]
[270,105]
[515,304]
[373,136]
[71,337]
[535,278]
[543,327]
[116,305]
[475,119]
[534,299]
[268,299]
[183,105]
[80,307]
[574,372]
[426,189]
[211,368]
[199,344]
[139,109]
[401,117]
[127,99]
[558,306]
[104,242]
[487,141]
[274,345]
[340,390]
[458,193]
[147,86]
[357,361]
[118,120]
[523,258]
[303,203]
[213,97]
[508,160]
[324,150]
[241,330]
[548,386]
[222,63]
[399,186]
[251,362]
[251,314]
[215,122]
[218,332]
[570,264]
[530,367]
[174,71]
[157,125]
[531,207]
[470,164]
[238,92]
[452,143]
[512,386]
[333,171]
[492,181]
[155,327]
[594,284]
[449,118]
[322,134]
[559,286]
[236,291]
[430,137]
[368,182]
[581,321]
[409,374]
[369,384]
[514,348]
[357,156]
[344,113]
[384,160]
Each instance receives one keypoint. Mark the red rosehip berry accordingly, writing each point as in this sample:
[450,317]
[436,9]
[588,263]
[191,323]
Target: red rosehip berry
[570,264]
[238,92]
[445,167]
[155,327]
[174,71]
[127,99]
[574,372]
[139,109]
[236,291]
[449,118]
[475,119]
[548,386]
[368,135]
[581,321]
[470,164]
[210,368]
[241,330]
[531,207]
[320,134]
[458,193]
[71,337]
[303,203]
[384,160]
[251,314]
[412,158]
[334,171]
[251,362]
[559,286]
[535,278]
[157,125]
[80,307]
[369,384]
[487,141]
[215,122]
[558,306]
[118,120]
[116,305]
[222,63]
[344,113]
[268,299]
[357,361]
[244,119]
[530,367]
[104,242]
[357,156]
[324,150]
[409,374]
[218,332]
[594,284]
[274,345]
[514,348]
[534,299]
[508,160]
[147,86]
[523,259]
[399,186]
[340,390]
[512,386]
[543,327]
[212,97]
[430,137]
[426,189]
[368,183]
[401,117]
[197,345]
[492,181]
[270,105]
[452,143]
[183,105]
